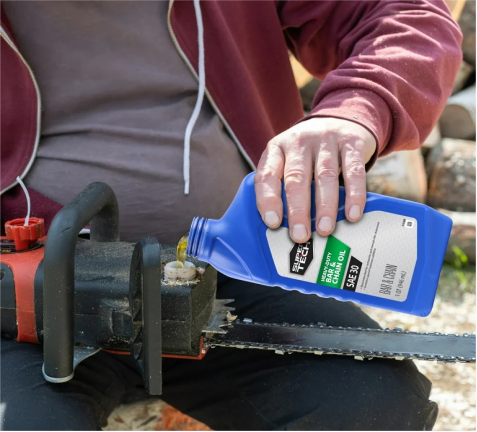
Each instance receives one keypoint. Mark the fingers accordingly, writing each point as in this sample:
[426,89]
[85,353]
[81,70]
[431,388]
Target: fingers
[337,145]
[326,186]
[268,186]
[297,179]
[354,175]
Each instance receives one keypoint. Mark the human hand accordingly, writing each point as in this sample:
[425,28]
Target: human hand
[318,147]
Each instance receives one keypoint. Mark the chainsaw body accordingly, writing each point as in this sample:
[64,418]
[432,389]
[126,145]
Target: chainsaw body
[77,295]
[102,304]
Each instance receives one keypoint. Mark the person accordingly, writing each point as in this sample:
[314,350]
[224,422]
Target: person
[172,104]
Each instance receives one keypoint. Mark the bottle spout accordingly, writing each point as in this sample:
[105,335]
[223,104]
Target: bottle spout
[196,236]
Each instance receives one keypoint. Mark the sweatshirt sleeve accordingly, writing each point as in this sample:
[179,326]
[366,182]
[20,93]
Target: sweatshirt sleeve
[387,65]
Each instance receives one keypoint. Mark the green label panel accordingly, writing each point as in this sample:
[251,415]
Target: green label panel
[333,264]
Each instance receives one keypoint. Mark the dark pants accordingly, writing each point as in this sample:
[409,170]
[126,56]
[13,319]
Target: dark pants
[232,389]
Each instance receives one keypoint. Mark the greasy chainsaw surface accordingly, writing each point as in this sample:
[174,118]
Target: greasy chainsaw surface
[453,385]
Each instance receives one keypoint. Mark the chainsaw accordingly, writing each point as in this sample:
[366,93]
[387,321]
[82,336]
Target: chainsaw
[77,296]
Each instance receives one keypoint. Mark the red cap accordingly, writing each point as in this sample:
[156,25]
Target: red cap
[24,235]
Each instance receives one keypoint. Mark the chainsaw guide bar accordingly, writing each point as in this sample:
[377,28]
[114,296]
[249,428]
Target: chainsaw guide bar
[361,343]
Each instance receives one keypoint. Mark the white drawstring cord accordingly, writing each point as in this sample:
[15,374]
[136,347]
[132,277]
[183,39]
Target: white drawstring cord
[19,180]
[200,97]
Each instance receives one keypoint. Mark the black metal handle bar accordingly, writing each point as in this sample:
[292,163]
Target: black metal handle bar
[97,205]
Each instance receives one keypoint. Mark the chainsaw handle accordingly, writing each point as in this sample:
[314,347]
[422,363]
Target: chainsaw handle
[97,205]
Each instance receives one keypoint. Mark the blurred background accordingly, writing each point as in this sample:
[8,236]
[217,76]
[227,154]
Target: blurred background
[442,175]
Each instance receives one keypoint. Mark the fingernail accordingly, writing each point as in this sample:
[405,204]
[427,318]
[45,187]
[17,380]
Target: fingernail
[354,212]
[271,218]
[299,233]
[325,224]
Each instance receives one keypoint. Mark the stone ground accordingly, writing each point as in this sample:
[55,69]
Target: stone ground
[453,385]
[453,312]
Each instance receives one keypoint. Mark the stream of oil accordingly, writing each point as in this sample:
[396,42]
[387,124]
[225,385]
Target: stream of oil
[181,251]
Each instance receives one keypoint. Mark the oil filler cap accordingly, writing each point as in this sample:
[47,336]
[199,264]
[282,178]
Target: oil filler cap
[23,235]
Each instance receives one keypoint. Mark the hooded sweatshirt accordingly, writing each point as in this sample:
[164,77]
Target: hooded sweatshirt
[387,65]
[117,98]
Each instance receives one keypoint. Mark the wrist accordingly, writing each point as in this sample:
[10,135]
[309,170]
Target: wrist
[360,106]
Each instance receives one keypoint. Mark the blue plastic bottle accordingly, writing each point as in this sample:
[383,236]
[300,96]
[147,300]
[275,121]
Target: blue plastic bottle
[390,259]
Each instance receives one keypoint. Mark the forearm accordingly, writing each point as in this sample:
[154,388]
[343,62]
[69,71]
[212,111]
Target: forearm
[388,66]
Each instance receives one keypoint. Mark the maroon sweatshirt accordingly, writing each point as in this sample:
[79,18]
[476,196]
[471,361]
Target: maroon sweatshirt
[387,65]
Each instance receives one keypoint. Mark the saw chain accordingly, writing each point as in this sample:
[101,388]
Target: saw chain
[224,330]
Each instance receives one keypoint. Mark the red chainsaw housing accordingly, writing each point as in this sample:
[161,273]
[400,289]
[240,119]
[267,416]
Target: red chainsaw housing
[24,266]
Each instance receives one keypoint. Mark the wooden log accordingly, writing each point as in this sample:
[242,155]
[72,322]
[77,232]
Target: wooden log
[302,76]
[458,118]
[432,140]
[462,76]
[400,174]
[456,7]
[432,156]
[462,236]
[467,25]
[451,172]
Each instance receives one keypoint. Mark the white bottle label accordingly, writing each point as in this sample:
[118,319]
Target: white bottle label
[375,256]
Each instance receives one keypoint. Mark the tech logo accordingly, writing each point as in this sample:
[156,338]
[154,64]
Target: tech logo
[301,256]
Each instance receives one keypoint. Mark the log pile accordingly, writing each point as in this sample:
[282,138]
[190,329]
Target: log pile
[450,164]
[442,173]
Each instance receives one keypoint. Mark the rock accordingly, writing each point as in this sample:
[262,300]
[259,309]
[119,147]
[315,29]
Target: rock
[451,173]
[462,235]
[401,175]
[467,25]
[458,118]
[462,76]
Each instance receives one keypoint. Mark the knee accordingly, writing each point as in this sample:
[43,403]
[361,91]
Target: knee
[373,395]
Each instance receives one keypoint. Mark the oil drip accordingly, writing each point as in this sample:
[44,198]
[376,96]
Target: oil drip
[181,251]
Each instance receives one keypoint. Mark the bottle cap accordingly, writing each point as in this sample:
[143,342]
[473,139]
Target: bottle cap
[22,234]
